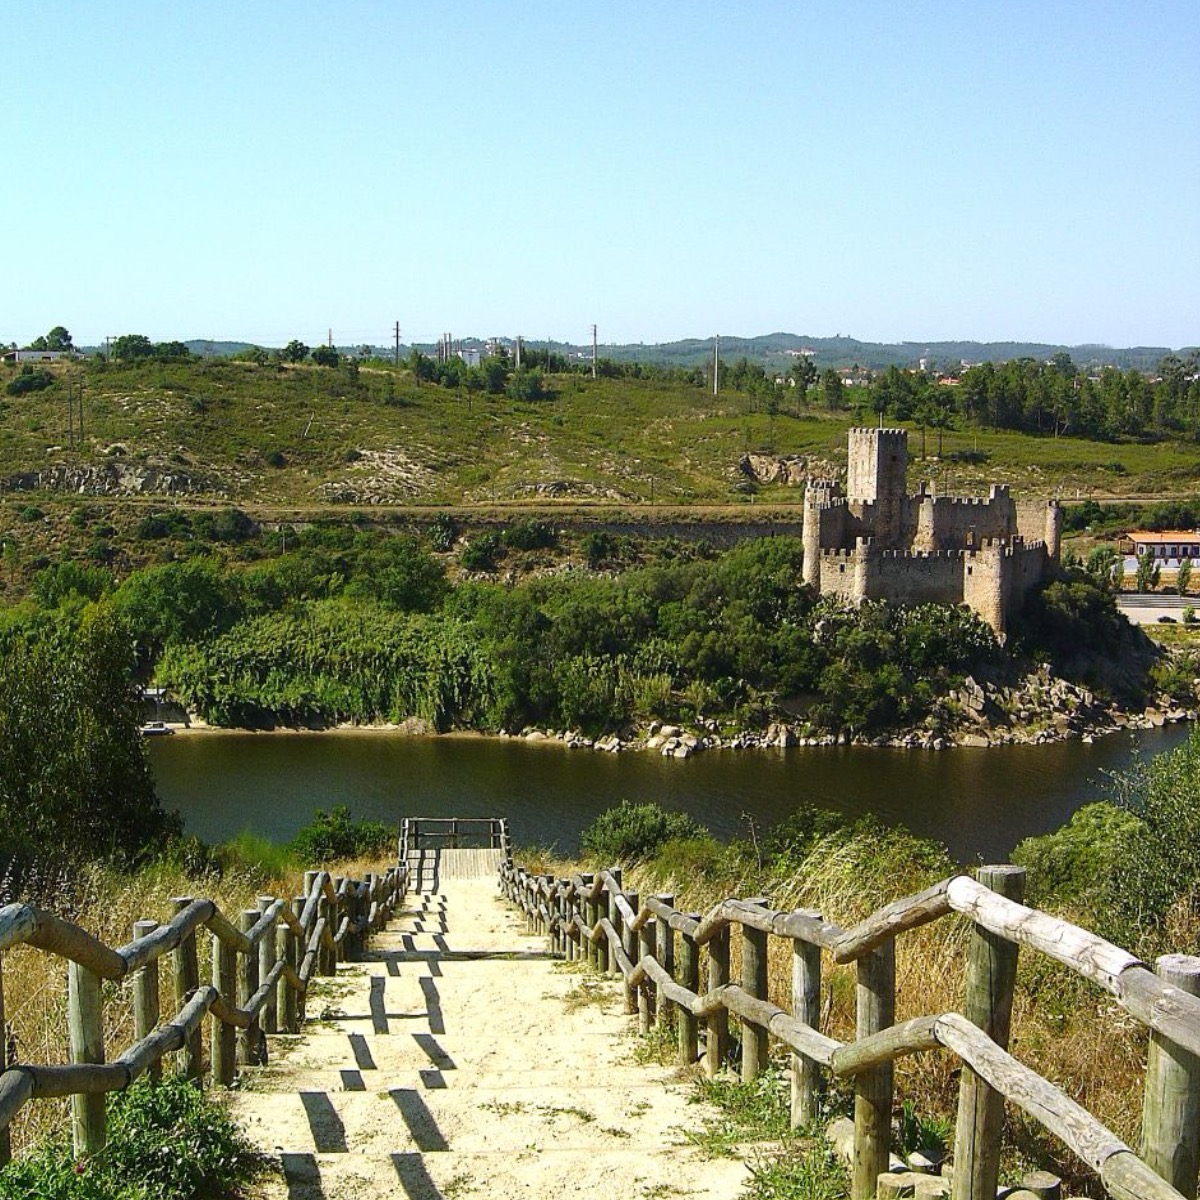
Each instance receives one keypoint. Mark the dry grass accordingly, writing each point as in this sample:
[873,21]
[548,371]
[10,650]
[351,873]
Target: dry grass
[107,903]
[1065,1029]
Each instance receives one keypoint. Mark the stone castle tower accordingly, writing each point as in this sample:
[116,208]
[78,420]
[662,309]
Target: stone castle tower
[878,542]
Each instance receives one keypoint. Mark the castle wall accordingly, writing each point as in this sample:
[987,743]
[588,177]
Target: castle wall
[962,523]
[935,578]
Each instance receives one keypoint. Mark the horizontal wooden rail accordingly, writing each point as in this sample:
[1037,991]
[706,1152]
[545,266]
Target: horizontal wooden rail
[292,946]
[594,916]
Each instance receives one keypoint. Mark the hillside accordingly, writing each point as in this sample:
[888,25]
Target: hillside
[308,436]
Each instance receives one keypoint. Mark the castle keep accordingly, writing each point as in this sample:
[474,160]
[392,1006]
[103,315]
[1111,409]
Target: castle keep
[876,542]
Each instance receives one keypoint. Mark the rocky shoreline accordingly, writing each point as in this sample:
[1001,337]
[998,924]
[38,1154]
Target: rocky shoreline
[1040,710]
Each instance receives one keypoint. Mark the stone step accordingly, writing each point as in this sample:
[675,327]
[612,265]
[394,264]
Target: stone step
[420,1049]
[532,1172]
[479,1120]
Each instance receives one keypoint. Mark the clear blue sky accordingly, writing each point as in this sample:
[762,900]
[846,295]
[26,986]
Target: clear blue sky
[1023,169]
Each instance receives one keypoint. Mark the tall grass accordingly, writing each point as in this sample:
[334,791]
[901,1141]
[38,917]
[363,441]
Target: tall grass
[107,902]
[1063,1028]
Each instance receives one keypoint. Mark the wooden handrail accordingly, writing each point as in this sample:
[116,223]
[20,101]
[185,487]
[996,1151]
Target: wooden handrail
[360,907]
[561,908]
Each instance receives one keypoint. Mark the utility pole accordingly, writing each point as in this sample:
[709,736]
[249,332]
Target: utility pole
[716,360]
[593,351]
[331,339]
[397,343]
[518,351]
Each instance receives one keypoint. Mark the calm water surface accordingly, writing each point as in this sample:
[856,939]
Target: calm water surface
[979,802]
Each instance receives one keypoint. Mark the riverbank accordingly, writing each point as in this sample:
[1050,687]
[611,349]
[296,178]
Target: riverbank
[1040,709]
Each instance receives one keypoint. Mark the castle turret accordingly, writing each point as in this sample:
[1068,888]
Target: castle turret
[818,495]
[1053,538]
[876,473]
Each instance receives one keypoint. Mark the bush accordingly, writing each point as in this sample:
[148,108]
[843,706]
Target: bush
[635,831]
[443,532]
[333,835]
[530,535]
[598,547]
[30,379]
[480,553]
[166,1141]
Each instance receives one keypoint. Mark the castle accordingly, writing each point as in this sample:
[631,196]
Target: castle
[876,542]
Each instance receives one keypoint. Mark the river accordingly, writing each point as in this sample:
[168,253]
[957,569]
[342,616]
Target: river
[980,803]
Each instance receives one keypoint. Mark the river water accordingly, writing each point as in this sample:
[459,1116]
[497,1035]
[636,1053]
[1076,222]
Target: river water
[980,803]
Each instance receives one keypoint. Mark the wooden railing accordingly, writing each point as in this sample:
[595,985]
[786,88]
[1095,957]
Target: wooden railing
[453,833]
[657,951]
[261,968]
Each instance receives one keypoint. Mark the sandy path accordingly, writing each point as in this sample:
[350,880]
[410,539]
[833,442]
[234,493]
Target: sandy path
[462,1059]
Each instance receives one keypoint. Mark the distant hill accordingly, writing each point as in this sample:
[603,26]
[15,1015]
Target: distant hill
[778,350]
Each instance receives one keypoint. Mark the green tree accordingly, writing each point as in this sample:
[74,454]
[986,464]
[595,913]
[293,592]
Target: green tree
[75,782]
[1183,576]
[130,347]
[326,356]
[804,372]
[57,339]
[833,391]
[1149,571]
[295,351]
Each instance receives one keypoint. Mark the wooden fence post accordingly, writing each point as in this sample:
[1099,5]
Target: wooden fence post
[806,1007]
[717,1049]
[293,953]
[1171,1107]
[664,951]
[689,977]
[645,995]
[629,942]
[145,997]
[614,919]
[991,980]
[187,980]
[266,961]
[754,983]
[247,985]
[85,1022]
[587,914]
[224,1037]
[5,1140]
[876,1011]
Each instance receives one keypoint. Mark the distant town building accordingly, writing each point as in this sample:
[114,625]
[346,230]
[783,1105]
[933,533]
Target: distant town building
[1170,546]
[876,542]
[43,356]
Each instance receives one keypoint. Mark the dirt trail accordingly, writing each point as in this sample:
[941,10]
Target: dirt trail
[462,1059]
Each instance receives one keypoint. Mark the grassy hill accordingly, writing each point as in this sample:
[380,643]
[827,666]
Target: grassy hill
[311,436]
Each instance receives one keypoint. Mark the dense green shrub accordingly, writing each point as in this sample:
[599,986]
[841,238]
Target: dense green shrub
[166,1141]
[64,581]
[1124,865]
[333,835]
[634,831]
[30,379]
[481,552]
[443,532]
[529,535]
[75,783]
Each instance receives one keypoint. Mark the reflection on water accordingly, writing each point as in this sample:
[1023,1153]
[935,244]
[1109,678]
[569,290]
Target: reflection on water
[979,802]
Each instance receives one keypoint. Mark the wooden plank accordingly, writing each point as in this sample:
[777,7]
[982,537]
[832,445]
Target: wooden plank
[910,912]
